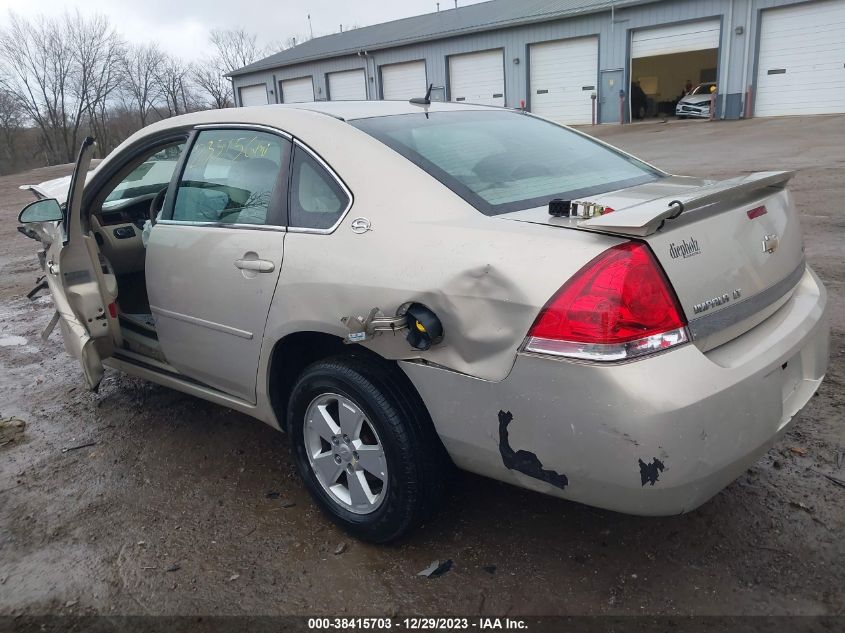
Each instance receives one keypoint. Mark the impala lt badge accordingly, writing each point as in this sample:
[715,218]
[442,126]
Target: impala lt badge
[770,243]
[704,306]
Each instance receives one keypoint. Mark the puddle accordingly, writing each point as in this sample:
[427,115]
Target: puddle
[9,341]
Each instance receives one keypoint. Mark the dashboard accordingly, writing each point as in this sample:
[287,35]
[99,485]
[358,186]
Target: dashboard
[117,229]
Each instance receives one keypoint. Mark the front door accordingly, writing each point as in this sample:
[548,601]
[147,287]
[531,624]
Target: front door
[83,287]
[214,258]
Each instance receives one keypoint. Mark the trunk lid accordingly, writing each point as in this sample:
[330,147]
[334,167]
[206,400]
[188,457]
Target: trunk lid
[733,255]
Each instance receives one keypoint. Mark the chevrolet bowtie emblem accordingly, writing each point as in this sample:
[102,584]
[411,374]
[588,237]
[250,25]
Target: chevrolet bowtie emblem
[770,243]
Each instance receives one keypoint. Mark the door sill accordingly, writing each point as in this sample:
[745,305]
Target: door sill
[167,376]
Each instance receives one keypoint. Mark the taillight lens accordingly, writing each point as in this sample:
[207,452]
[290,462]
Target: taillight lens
[619,306]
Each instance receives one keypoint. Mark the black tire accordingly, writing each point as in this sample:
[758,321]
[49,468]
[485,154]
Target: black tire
[417,464]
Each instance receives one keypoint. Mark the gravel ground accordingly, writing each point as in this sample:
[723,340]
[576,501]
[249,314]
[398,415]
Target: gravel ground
[169,512]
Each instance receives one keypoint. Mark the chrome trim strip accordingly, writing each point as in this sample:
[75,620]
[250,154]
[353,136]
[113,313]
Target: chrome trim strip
[716,321]
[223,225]
[333,174]
[211,325]
[243,126]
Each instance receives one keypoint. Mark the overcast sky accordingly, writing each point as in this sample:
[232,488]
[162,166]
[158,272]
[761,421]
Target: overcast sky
[181,26]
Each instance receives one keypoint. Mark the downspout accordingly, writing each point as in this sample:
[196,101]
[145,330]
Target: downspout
[376,79]
[366,72]
[728,60]
[366,56]
[745,59]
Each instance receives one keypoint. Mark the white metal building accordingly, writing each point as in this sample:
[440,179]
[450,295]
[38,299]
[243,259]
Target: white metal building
[565,59]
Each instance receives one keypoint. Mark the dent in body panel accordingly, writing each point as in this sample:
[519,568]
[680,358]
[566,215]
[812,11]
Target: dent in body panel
[485,296]
[523,461]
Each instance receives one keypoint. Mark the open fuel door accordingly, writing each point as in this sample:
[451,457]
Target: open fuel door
[83,288]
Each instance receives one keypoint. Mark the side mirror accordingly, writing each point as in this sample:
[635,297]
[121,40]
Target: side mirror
[47,210]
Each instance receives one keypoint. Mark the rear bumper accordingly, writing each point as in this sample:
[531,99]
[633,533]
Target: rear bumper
[657,436]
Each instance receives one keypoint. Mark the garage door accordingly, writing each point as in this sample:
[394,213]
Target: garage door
[678,38]
[801,65]
[254,95]
[403,81]
[563,78]
[478,78]
[297,90]
[348,85]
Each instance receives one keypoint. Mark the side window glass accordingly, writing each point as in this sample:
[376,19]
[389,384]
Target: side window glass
[148,178]
[316,199]
[232,177]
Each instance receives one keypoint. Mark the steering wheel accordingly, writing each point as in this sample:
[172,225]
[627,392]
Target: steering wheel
[156,203]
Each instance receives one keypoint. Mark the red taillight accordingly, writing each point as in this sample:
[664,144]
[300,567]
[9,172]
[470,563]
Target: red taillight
[620,305]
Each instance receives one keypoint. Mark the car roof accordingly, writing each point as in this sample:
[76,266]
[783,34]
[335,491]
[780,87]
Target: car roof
[349,110]
[321,123]
[343,110]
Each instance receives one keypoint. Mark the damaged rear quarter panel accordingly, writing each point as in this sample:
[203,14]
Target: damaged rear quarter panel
[484,277]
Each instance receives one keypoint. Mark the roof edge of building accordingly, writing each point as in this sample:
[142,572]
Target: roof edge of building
[263,65]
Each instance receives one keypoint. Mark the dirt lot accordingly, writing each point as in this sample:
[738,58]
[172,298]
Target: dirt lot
[169,513]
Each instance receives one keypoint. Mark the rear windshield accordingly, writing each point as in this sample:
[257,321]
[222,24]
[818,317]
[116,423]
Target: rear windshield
[503,161]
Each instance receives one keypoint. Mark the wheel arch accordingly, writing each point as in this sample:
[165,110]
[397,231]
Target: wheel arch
[292,353]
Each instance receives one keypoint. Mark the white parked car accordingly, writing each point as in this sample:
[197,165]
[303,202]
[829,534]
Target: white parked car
[697,103]
[407,286]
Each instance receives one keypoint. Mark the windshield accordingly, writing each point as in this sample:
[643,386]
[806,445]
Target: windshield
[702,89]
[147,178]
[503,161]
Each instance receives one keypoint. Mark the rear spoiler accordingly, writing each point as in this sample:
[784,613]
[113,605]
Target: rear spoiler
[647,218]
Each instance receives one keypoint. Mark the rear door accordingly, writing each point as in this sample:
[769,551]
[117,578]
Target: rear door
[83,287]
[214,258]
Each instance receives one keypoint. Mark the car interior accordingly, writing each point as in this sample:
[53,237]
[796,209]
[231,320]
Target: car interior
[229,178]
[117,220]
[221,187]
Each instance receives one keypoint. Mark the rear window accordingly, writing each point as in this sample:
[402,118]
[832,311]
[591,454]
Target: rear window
[502,161]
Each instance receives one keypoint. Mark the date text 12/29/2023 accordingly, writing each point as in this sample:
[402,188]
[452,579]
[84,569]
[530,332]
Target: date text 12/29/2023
[417,624]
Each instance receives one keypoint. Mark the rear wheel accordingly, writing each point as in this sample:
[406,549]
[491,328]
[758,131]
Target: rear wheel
[365,447]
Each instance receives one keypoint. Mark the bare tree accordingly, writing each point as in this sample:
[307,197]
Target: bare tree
[174,82]
[11,121]
[235,49]
[60,69]
[100,52]
[142,66]
[212,83]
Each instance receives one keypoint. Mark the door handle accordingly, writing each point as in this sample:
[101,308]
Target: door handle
[256,265]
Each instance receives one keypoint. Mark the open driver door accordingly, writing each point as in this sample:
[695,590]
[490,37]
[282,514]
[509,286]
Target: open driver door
[84,289]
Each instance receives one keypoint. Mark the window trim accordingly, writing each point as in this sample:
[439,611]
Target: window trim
[180,170]
[333,174]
